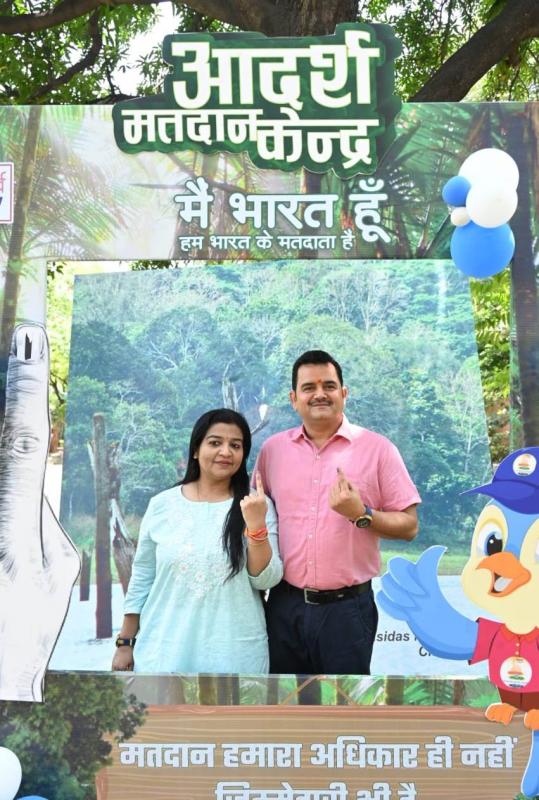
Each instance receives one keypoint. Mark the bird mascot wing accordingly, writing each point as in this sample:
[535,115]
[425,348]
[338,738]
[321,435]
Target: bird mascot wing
[411,592]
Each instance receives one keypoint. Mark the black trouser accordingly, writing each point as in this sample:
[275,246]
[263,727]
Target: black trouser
[335,638]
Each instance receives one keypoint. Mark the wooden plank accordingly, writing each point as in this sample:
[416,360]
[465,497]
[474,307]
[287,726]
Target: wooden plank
[313,725]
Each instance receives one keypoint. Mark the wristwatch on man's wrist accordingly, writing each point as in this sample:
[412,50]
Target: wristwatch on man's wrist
[365,519]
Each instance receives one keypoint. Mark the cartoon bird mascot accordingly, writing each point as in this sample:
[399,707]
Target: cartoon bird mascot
[501,576]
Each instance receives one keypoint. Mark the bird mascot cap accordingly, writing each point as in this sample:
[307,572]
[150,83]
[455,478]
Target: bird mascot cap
[516,482]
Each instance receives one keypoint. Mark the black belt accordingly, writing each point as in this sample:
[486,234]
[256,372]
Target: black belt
[321,596]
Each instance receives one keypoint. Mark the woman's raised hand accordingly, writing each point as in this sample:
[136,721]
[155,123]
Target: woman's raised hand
[254,507]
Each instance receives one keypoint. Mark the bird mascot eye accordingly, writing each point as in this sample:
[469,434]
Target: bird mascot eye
[490,540]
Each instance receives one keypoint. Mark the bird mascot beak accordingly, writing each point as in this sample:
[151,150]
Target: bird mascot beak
[508,573]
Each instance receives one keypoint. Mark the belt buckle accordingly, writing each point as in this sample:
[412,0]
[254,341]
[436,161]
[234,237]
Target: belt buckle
[310,602]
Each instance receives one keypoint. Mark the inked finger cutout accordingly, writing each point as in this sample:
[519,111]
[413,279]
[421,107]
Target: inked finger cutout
[28,343]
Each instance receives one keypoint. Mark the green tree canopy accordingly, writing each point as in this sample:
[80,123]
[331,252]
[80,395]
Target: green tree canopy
[60,743]
[70,51]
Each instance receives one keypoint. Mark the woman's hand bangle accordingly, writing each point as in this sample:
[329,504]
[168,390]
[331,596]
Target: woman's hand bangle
[259,534]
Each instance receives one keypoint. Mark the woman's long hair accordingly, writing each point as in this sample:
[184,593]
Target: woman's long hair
[234,524]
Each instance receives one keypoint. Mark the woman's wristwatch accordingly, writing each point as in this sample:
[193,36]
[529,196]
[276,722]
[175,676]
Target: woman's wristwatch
[122,641]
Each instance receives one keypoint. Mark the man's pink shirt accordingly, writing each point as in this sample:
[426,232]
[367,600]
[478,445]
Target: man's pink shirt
[320,548]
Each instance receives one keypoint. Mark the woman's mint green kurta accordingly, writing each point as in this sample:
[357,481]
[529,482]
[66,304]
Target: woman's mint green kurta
[191,618]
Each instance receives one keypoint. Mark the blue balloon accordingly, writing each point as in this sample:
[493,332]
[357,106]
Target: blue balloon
[456,191]
[482,252]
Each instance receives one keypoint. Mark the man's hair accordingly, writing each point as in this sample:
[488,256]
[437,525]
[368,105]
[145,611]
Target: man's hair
[314,357]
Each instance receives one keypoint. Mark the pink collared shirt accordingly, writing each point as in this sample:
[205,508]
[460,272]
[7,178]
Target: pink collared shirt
[320,548]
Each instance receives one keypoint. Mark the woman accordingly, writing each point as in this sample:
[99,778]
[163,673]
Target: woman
[206,548]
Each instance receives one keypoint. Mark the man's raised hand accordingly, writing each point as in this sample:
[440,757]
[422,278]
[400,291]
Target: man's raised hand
[344,498]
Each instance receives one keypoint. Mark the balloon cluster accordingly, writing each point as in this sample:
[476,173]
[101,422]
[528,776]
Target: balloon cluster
[484,199]
[11,776]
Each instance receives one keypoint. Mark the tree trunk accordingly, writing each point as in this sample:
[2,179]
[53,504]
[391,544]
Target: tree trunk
[313,18]
[523,147]
[103,611]
[123,546]
[207,690]
[84,583]
[394,692]
[272,690]
[228,690]
[167,690]
[16,244]
[459,690]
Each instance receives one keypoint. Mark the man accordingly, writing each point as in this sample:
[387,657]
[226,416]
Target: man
[338,488]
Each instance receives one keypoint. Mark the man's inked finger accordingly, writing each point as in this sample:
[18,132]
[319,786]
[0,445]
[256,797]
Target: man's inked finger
[342,480]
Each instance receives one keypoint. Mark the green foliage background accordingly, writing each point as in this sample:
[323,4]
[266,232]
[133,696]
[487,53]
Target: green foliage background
[34,67]
[60,742]
[153,350]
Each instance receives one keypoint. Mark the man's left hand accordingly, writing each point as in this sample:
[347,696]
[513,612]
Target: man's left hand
[344,498]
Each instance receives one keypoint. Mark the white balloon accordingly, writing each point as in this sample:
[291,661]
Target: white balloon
[490,164]
[10,774]
[460,216]
[490,204]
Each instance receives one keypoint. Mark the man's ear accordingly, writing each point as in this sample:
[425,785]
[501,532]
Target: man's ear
[292,396]
[344,393]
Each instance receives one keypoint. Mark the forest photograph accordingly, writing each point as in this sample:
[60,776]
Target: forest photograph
[152,350]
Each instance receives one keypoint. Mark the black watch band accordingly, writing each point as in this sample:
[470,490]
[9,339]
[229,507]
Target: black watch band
[122,641]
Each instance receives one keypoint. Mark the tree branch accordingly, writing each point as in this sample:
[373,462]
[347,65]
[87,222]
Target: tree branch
[64,11]
[88,61]
[516,23]
[261,16]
